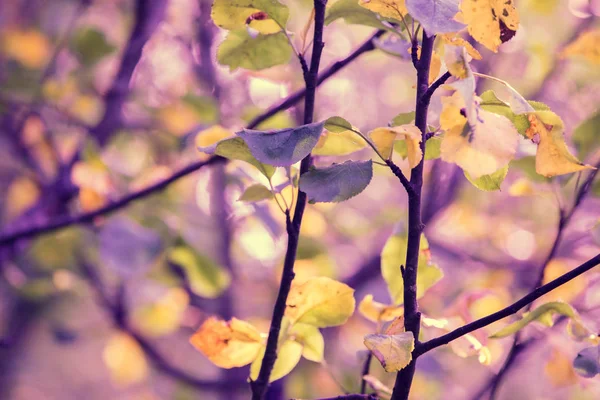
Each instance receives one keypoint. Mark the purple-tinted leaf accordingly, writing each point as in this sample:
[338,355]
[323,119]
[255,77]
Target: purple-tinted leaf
[282,147]
[338,182]
[436,16]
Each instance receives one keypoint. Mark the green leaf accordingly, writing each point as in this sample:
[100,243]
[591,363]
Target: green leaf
[237,149]
[288,356]
[240,50]
[432,148]
[490,102]
[337,125]
[541,314]
[586,136]
[394,352]
[353,13]
[489,183]
[311,339]
[234,14]
[338,182]
[206,278]
[339,144]
[256,192]
[587,362]
[320,301]
[90,46]
[394,255]
[403,119]
[282,147]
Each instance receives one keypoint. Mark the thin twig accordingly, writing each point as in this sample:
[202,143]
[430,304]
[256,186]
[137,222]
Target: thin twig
[423,348]
[259,387]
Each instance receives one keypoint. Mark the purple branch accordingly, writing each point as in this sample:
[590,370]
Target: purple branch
[148,15]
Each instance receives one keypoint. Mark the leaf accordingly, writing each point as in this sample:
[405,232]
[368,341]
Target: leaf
[456,61]
[587,362]
[338,182]
[394,255]
[125,359]
[553,156]
[587,45]
[240,50]
[30,48]
[393,9]
[490,22]
[338,143]
[256,192]
[393,45]
[320,301]
[127,247]
[483,146]
[337,125]
[383,139]
[394,352]
[490,102]
[282,147]
[311,339]
[489,183]
[436,16]
[90,46]
[378,312]
[403,119]
[207,140]
[237,14]
[455,40]
[288,356]
[163,316]
[206,278]
[228,344]
[586,136]
[353,13]
[237,149]
[542,314]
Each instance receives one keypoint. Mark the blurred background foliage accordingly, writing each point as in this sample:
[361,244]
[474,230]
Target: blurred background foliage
[101,98]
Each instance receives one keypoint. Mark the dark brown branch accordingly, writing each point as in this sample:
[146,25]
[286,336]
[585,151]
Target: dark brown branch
[61,223]
[434,86]
[10,238]
[423,348]
[352,397]
[259,387]
[148,15]
[400,175]
[412,316]
[365,371]
[327,73]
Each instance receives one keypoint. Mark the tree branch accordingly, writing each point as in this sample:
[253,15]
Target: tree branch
[10,238]
[434,86]
[61,223]
[423,348]
[148,15]
[259,387]
[412,316]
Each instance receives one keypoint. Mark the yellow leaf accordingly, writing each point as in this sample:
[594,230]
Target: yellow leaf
[587,46]
[395,9]
[377,312]
[553,156]
[321,302]
[208,138]
[338,144]
[265,16]
[394,352]
[228,344]
[483,146]
[490,22]
[434,67]
[164,316]
[22,193]
[125,359]
[383,139]
[179,118]
[451,111]
[311,339]
[288,356]
[29,47]
[455,40]
[456,61]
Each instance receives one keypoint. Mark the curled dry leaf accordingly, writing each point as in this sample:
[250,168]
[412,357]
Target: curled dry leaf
[394,352]
[228,344]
